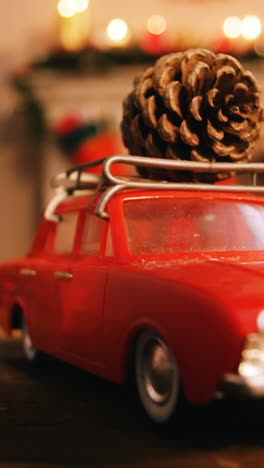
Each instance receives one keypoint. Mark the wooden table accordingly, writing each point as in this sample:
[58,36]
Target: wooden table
[59,416]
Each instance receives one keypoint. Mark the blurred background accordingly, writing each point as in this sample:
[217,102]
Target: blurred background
[65,67]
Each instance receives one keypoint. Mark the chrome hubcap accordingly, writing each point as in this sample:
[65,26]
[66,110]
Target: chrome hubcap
[29,349]
[158,372]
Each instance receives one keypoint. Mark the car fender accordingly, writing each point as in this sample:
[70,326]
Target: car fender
[201,334]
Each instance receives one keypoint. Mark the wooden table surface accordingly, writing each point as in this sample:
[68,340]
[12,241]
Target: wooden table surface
[59,416]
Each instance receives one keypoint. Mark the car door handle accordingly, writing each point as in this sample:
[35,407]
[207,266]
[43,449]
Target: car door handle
[27,272]
[63,275]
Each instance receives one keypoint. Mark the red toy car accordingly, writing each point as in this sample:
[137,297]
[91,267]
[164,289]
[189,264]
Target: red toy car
[166,276]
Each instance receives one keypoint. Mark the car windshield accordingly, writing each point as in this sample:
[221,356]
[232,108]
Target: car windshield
[170,225]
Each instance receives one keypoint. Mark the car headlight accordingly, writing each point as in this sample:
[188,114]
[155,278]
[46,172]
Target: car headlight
[252,363]
[260,321]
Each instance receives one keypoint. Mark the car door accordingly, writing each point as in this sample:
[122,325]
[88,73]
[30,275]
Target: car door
[52,269]
[83,297]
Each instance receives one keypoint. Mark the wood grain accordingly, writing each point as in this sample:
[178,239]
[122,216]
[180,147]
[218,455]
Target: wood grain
[60,416]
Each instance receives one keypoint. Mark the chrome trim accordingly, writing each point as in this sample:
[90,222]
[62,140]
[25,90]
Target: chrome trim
[158,371]
[49,213]
[27,272]
[100,209]
[74,179]
[62,275]
[236,385]
[250,375]
[63,178]
[179,165]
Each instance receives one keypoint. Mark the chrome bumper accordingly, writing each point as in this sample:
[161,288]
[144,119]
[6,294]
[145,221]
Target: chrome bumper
[236,385]
[249,379]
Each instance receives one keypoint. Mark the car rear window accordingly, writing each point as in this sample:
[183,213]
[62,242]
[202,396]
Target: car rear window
[168,225]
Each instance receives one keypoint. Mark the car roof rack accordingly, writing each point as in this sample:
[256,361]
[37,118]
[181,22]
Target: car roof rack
[76,180]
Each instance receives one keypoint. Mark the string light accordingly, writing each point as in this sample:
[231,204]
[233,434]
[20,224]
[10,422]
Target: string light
[69,8]
[117,30]
[65,9]
[156,24]
[251,27]
[232,27]
[74,23]
[81,5]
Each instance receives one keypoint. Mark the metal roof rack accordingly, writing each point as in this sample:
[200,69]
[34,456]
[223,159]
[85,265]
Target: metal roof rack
[75,180]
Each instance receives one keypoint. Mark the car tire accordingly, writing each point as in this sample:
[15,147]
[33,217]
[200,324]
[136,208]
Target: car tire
[157,378]
[30,352]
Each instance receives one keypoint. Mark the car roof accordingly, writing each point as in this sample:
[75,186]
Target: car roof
[83,201]
[110,187]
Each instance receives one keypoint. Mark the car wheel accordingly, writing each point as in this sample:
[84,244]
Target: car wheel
[30,352]
[157,378]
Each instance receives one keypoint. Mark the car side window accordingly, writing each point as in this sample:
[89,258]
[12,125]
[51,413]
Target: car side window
[65,234]
[93,232]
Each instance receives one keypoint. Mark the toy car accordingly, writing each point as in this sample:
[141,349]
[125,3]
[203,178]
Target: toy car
[166,277]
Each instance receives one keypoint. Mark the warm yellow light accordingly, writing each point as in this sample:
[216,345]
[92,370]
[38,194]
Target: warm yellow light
[117,30]
[249,370]
[251,27]
[81,5]
[232,27]
[156,24]
[66,9]
[69,8]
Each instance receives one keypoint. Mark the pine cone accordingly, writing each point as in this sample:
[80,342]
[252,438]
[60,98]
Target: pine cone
[195,106]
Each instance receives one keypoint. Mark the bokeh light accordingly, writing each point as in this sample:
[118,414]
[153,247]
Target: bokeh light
[232,27]
[117,30]
[156,24]
[66,9]
[69,8]
[81,5]
[251,27]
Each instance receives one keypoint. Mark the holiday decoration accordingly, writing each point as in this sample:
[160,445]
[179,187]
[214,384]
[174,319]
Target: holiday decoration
[90,60]
[71,131]
[99,146]
[154,289]
[154,44]
[193,105]
[85,142]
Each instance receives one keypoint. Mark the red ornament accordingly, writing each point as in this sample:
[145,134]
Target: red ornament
[224,45]
[155,44]
[67,124]
[100,146]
